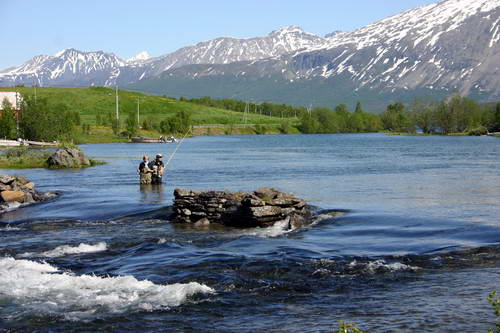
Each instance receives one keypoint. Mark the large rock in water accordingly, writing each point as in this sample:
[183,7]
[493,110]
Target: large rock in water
[262,208]
[18,191]
[68,158]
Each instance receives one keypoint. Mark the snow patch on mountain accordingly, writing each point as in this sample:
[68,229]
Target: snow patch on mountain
[144,55]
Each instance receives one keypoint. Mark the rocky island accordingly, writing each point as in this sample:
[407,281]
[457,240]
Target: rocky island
[19,191]
[261,208]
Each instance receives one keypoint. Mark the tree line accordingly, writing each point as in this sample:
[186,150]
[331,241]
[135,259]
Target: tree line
[456,115]
[339,120]
[43,120]
[267,109]
[177,124]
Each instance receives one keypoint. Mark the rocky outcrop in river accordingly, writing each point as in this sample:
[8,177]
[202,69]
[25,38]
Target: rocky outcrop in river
[19,191]
[262,208]
[68,158]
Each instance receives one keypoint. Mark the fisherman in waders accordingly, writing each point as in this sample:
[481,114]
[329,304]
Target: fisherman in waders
[158,168]
[145,173]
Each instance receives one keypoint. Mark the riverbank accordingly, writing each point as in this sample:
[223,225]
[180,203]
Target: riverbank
[32,158]
[439,134]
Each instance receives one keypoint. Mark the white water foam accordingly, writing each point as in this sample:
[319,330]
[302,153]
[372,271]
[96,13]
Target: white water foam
[68,249]
[9,228]
[42,288]
[282,227]
[373,267]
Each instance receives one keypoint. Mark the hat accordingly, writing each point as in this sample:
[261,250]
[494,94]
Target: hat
[159,156]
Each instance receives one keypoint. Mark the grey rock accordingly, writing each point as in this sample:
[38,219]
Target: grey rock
[262,208]
[20,192]
[265,211]
[68,158]
[6,179]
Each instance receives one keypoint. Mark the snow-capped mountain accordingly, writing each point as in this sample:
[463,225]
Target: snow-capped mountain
[77,68]
[452,45]
[68,67]
[226,50]
[142,56]
[436,50]
[449,46]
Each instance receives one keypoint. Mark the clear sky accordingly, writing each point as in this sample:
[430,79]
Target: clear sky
[126,27]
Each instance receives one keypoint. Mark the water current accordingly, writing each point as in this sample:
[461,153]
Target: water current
[417,250]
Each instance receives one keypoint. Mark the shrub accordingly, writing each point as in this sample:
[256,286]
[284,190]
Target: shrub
[260,129]
[478,131]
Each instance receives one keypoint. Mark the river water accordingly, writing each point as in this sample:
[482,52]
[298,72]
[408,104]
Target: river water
[418,249]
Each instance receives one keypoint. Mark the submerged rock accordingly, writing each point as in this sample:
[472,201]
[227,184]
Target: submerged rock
[68,158]
[262,208]
[18,191]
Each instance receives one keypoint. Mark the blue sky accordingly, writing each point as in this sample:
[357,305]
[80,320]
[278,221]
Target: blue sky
[31,27]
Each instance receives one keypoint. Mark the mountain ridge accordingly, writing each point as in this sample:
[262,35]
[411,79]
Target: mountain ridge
[447,47]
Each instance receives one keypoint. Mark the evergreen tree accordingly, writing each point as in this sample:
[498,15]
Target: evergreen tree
[358,109]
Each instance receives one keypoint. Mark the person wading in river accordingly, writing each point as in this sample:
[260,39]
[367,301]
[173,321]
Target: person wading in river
[158,168]
[145,173]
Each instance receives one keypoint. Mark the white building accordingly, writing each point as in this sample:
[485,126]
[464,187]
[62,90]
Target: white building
[13,97]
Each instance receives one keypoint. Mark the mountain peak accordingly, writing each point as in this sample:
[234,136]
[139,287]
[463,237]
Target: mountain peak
[333,34]
[287,30]
[141,56]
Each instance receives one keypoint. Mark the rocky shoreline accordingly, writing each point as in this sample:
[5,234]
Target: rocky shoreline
[262,208]
[18,191]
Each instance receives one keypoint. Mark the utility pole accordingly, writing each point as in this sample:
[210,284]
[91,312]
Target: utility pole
[138,120]
[245,114]
[18,109]
[35,92]
[117,111]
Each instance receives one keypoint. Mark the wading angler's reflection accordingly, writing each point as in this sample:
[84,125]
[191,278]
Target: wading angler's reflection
[152,194]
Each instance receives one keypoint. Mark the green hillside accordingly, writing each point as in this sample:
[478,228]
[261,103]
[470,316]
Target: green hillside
[92,101]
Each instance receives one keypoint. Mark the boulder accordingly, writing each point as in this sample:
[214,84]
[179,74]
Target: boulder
[261,208]
[11,196]
[6,179]
[68,158]
[19,191]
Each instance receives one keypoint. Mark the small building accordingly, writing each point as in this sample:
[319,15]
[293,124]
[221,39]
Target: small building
[13,97]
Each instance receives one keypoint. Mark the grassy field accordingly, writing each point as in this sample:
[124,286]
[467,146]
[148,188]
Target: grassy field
[93,101]
[99,100]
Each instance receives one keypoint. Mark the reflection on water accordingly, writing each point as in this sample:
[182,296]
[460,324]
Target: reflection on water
[152,194]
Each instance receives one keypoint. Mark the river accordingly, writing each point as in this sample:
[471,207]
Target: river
[418,249]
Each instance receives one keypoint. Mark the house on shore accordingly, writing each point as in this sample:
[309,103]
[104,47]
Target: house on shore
[13,97]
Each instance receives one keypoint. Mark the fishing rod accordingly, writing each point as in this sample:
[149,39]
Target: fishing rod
[176,148]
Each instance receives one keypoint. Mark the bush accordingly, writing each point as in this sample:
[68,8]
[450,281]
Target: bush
[260,129]
[24,157]
[285,127]
[147,124]
[478,131]
[16,152]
